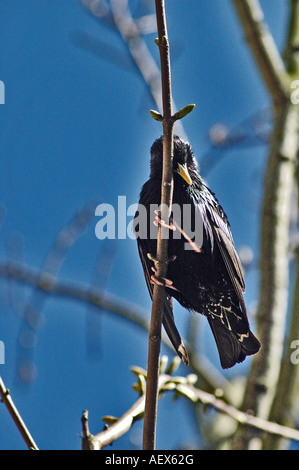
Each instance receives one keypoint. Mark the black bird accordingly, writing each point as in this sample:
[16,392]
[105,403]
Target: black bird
[204,276]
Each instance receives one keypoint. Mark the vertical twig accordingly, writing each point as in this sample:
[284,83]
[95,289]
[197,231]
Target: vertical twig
[168,120]
[150,414]
[141,55]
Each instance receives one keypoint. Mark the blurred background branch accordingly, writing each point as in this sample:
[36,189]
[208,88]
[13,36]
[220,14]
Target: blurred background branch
[263,380]
[131,29]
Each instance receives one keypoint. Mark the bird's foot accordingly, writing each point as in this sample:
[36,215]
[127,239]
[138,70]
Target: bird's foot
[156,262]
[158,221]
[187,238]
[162,281]
[174,226]
[152,258]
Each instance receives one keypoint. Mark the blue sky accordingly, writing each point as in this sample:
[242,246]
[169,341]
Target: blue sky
[75,130]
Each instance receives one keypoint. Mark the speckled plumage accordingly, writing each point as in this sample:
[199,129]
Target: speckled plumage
[209,281]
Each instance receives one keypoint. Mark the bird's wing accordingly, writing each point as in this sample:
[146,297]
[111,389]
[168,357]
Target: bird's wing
[218,232]
[168,317]
[234,341]
[225,243]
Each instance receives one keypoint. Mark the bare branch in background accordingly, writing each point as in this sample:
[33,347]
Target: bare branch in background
[264,49]
[131,30]
[271,318]
[32,317]
[103,301]
[101,273]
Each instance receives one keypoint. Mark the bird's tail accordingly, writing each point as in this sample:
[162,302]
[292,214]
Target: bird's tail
[232,346]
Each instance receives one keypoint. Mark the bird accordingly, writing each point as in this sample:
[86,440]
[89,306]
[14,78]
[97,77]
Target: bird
[204,272]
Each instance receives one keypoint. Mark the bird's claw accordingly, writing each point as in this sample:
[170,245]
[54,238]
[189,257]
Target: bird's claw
[152,258]
[156,262]
[158,221]
[174,226]
[162,281]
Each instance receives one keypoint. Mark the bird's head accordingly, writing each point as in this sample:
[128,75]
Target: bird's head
[184,163]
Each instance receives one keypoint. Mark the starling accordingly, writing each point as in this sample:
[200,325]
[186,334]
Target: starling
[204,273]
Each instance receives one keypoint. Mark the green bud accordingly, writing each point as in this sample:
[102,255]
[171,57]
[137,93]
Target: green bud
[183,112]
[156,115]
[109,419]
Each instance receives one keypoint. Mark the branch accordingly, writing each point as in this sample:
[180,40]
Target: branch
[128,28]
[105,301]
[185,387]
[74,290]
[291,55]
[150,415]
[264,49]
[7,400]
[274,264]
[120,426]
[168,120]
[285,403]
[51,265]
[196,395]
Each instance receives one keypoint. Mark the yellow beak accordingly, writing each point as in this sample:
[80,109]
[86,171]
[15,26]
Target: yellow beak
[183,172]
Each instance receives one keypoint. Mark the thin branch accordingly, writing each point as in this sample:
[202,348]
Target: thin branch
[264,49]
[7,400]
[104,301]
[142,57]
[121,425]
[54,259]
[101,272]
[93,296]
[197,395]
[184,386]
[150,415]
